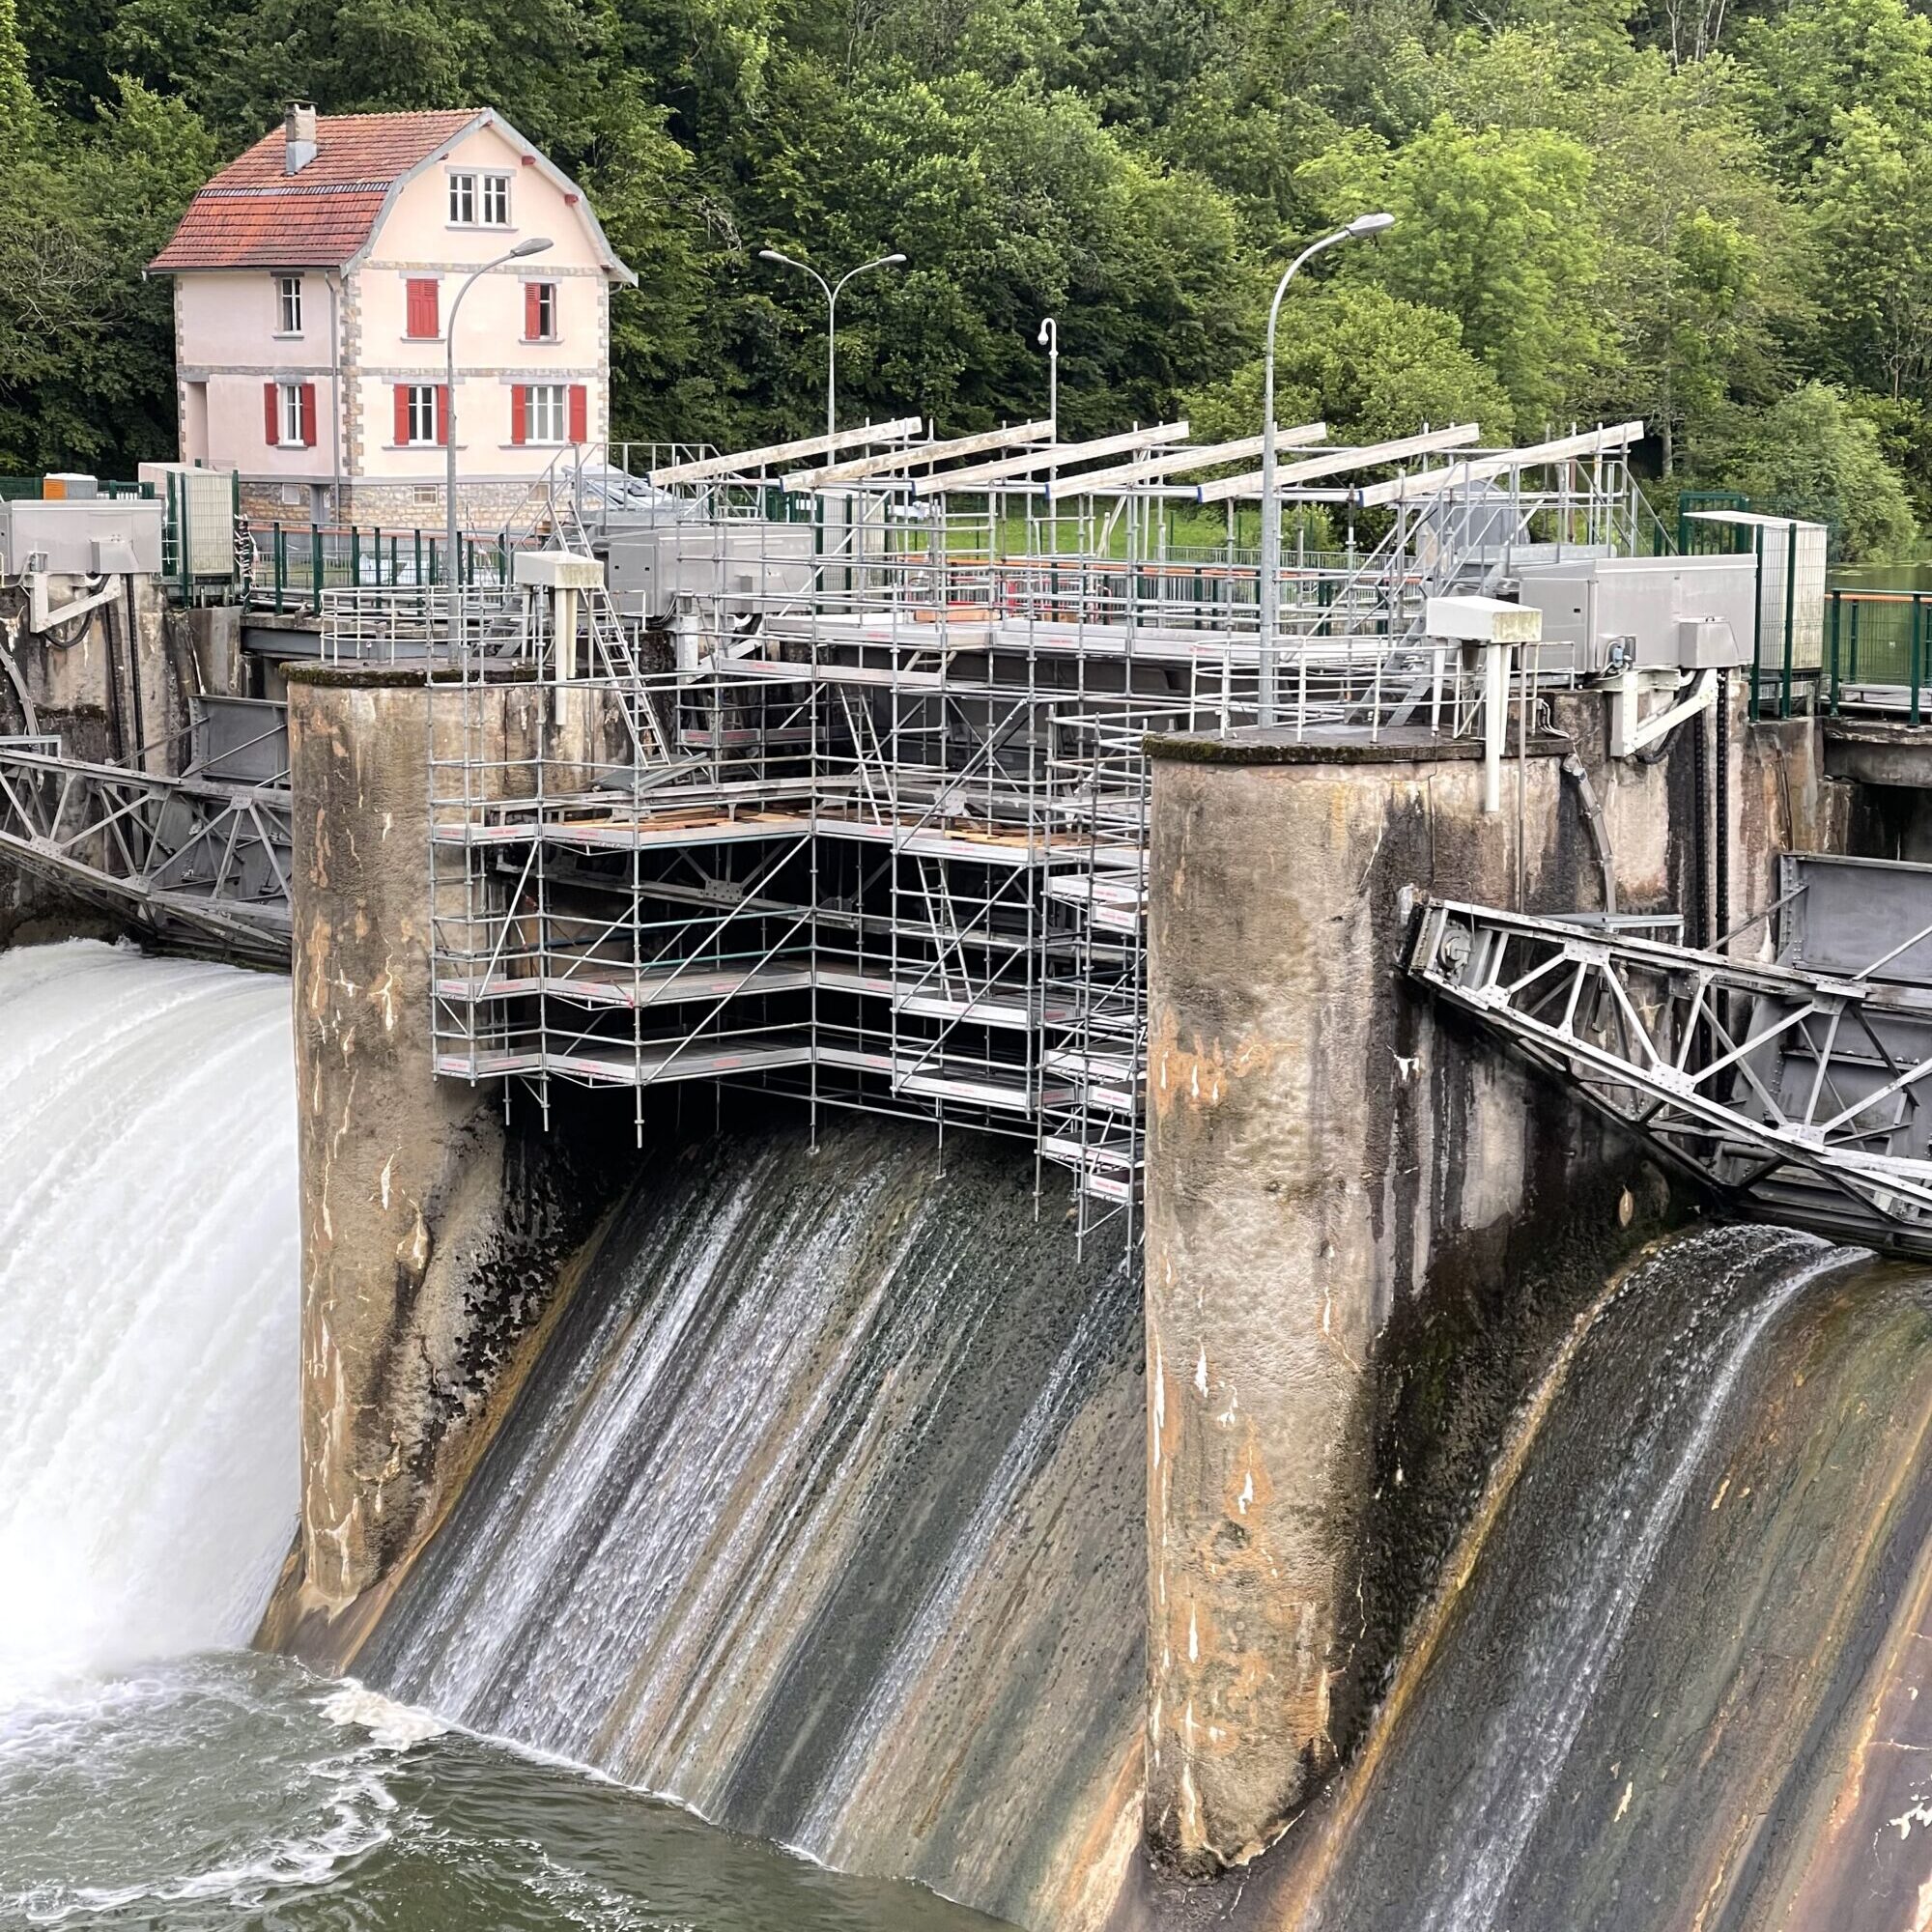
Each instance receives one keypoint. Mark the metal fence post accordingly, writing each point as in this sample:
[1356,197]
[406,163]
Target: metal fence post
[282,562]
[315,562]
[1915,664]
[1790,613]
[1757,617]
[1837,601]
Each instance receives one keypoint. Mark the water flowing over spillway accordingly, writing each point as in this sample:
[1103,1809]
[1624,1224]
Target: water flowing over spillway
[1674,1680]
[823,1512]
[149,1291]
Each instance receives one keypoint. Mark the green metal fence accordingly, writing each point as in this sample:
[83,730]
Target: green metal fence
[295,563]
[1876,647]
[31,489]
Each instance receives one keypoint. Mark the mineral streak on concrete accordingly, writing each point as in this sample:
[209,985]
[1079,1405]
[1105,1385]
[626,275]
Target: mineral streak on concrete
[402,1172]
[1321,1151]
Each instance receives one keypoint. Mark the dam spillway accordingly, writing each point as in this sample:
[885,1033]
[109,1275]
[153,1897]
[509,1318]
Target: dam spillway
[1672,1676]
[148,1267]
[822,1513]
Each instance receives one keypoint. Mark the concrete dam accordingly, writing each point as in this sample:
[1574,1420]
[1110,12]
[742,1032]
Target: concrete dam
[1004,1209]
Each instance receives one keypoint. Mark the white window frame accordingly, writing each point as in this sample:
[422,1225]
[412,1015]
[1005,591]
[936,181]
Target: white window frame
[423,423]
[553,410]
[546,299]
[493,187]
[289,416]
[288,304]
[462,199]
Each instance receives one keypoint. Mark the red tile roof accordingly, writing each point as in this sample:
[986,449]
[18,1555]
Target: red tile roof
[254,215]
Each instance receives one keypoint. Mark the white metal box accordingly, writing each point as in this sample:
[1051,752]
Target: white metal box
[81,536]
[1643,613]
[556,568]
[733,566]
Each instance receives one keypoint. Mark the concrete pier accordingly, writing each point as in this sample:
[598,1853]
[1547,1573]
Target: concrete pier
[1324,1153]
[402,1172]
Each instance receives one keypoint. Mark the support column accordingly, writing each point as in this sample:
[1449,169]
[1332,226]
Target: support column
[1317,1152]
[401,1173]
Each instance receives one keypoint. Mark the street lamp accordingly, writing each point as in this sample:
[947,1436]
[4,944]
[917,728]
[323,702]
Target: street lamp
[831,289]
[453,561]
[1270,586]
[1049,340]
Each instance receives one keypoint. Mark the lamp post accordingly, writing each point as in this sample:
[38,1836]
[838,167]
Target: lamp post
[831,290]
[1269,587]
[1049,340]
[453,559]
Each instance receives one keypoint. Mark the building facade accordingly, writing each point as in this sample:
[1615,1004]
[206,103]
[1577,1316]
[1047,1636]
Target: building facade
[314,280]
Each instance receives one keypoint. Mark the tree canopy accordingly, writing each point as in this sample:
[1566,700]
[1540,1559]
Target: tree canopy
[1719,220]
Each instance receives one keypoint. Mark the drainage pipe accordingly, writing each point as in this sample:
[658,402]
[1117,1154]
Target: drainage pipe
[1578,775]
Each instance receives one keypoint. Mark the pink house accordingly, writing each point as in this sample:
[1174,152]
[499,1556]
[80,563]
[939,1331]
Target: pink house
[313,281]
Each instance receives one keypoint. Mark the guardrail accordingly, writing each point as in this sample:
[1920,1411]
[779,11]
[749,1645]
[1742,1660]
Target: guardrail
[1876,647]
[295,563]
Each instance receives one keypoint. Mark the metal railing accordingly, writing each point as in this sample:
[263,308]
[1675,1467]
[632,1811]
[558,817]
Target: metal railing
[1876,647]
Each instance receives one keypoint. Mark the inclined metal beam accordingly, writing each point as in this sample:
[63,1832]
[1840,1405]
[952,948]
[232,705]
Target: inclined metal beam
[894,461]
[1764,1081]
[1179,462]
[1054,457]
[1338,463]
[1483,468]
[743,461]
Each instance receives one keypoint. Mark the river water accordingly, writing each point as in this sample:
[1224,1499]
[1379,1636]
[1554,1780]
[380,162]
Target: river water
[154,1773]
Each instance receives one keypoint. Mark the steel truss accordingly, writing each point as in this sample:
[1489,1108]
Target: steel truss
[1793,1094]
[192,862]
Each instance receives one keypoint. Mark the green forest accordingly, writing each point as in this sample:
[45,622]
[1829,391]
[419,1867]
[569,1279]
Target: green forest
[1718,217]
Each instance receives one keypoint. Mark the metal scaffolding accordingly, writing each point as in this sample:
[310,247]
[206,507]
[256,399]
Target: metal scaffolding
[855,806]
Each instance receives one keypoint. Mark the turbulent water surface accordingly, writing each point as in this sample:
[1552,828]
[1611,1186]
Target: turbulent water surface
[233,1791]
[153,1774]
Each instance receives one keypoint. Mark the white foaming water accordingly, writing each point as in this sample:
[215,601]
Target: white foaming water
[148,1306]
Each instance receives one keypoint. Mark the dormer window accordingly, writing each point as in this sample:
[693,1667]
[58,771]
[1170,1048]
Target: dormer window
[479,201]
[288,304]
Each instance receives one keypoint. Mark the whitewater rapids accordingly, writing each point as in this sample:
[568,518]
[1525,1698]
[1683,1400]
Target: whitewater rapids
[148,1288]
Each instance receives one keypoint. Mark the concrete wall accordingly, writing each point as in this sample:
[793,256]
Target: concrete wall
[1353,1208]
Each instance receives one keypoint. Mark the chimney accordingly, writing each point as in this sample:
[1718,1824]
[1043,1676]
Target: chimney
[299,133]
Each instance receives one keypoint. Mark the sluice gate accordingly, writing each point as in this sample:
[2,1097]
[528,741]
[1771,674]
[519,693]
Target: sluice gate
[1797,1087]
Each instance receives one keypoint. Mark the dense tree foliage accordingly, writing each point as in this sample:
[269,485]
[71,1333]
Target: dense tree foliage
[1718,218]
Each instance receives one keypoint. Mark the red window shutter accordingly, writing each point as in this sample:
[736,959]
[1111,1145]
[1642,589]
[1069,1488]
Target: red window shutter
[309,415]
[402,412]
[423,305]
[442,412]
[519,413]
[580,413]
[532,310]
[271,412]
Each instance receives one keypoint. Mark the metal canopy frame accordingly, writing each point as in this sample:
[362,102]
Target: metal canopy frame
[1340,462]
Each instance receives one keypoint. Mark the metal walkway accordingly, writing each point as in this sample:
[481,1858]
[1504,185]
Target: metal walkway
[1797,1089]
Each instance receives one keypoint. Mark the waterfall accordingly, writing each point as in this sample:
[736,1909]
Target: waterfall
[1673,1679]
[823,1514]
[148,1304]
